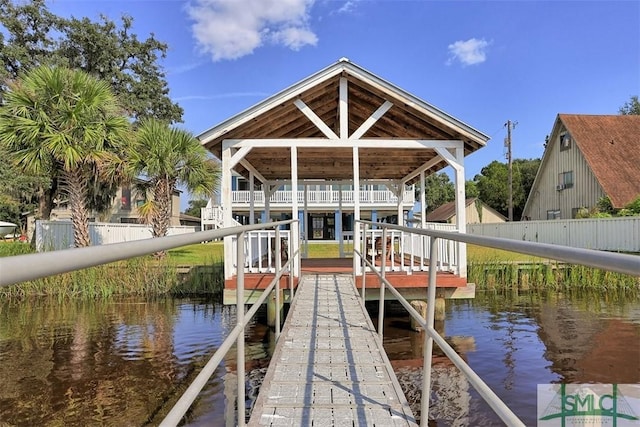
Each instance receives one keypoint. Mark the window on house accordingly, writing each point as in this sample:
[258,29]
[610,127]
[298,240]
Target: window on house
[565,180]
[243,184]
[553,214]
[565,141]
[125,202]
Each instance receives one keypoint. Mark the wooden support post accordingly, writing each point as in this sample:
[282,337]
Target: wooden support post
[440,312]
[420,307]
[274,307]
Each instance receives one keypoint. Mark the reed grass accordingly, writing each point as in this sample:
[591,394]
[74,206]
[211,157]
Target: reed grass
[547,275]
[142,276]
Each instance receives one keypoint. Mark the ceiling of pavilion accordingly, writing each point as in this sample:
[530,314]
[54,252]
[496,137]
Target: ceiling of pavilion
[278,117]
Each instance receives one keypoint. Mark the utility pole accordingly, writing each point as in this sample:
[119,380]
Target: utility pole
[507,142]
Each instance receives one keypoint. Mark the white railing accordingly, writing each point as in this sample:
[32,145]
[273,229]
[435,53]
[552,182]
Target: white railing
[408,252]
[215,216]
[328,197]
[261,250]
[56,235]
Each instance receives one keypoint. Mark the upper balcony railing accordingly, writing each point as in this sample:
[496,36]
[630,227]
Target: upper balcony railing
[326,197]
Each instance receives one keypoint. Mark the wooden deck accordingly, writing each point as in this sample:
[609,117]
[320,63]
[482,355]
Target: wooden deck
[417,279]
[329,366]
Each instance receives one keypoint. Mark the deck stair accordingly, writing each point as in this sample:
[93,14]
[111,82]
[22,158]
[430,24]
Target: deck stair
[329,366]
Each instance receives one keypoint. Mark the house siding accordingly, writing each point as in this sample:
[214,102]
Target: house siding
[585,192]
[488,216]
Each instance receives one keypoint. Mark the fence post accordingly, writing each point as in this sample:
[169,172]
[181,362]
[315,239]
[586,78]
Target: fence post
[240,321]
[428,340]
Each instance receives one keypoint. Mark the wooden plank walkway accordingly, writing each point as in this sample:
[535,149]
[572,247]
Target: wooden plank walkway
[329,367]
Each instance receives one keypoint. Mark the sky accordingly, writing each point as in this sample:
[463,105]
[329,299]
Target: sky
[483,62]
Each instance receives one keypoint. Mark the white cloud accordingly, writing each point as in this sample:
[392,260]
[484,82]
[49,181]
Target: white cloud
[230,29]
[184,68]
[348,6]
[469,52]
[221,96]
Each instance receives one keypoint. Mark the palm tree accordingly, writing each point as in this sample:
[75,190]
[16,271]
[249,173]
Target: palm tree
[65,123]
[167,157]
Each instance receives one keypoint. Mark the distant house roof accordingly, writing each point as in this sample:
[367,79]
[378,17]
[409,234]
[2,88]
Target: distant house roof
[611,147]
[446,211]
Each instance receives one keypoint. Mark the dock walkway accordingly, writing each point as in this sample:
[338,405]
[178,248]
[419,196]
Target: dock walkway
[329,367]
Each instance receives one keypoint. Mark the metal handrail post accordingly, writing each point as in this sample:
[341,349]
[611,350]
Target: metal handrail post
[382,285]
[364,261]
[277,288]
[428,340]
[291,293]
[240,321]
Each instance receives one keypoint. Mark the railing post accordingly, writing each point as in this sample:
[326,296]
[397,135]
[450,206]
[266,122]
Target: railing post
[289,250]
[277,289]
[240,321]
[364,259]
[428,340]
[382,285]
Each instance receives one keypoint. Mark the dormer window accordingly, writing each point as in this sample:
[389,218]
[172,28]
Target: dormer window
[565,141]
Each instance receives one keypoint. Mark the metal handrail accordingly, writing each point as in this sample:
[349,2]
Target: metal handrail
[20,268]
[621,263]
[35,266]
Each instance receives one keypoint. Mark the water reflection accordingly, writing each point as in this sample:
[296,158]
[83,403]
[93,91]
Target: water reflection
[125,362]
[519,341]
[116,362]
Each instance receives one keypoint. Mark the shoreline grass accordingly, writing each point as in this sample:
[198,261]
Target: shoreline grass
[488,268]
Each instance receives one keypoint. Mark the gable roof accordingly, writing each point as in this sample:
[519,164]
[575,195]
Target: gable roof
[448,210]
[278,117]
[610,145]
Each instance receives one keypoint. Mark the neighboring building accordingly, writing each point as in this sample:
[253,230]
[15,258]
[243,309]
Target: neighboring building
[477,212]
[587,157]
[124,210]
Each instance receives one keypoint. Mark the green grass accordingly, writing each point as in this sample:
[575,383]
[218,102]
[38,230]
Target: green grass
[484,254]
[198,254]
[327,250]
[14,248]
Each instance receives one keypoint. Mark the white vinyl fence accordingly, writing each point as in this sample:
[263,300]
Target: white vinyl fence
[608,234]
[54,235]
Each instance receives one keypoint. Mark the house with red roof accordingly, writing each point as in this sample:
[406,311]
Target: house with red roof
[587,157]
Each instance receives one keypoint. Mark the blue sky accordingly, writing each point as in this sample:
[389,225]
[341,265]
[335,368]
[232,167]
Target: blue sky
[484,62]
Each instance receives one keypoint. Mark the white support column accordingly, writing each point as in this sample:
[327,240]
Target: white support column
[400,195]
[268,192]
[295,228]
[357,267]
[305,228]
[338,224]
[252,199]
[423,200]
[461,218]
[226,210]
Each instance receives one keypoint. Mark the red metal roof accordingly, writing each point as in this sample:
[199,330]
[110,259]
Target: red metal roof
[611,147]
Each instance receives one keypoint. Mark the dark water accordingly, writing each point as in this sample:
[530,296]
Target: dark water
[125,362]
